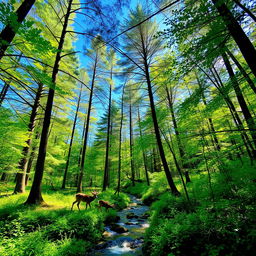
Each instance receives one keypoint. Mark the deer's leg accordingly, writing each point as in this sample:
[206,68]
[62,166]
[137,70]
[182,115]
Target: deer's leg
[78,205]
[86,206]
[73,205]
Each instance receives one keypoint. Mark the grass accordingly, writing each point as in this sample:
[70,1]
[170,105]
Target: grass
[55,229]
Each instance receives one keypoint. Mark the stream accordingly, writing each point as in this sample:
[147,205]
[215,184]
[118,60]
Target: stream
[133,222]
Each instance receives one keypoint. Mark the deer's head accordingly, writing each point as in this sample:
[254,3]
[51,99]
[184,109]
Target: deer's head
[95,194]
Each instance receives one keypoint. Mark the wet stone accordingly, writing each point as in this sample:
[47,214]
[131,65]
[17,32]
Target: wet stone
[131,215]
[118,228]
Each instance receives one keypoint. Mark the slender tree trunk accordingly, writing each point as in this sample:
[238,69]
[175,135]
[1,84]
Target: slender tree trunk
[4,92]
[120,145]
[32,155]
[207,167]
[35,196]
[4,176]
[106,168]
[171,183]
[131,143]
[245,9]
[241,69]
[177,166]
[143,151]
[245,110]
[71,140]
[8,33]
[23,164]
[236,117]
[245,45]
[175,126]
[81,174]
[211,126]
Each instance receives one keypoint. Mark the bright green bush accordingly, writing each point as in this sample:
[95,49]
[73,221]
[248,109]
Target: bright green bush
[223,226]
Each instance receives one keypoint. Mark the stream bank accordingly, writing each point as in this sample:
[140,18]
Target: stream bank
[126,236]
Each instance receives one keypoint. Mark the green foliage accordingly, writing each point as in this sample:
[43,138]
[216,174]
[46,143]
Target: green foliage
[206,227]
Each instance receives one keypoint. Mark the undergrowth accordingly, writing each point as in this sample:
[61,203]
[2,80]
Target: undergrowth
[218,221]
[55,229]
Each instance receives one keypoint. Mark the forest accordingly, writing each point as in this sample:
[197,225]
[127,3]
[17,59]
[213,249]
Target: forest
[127,127]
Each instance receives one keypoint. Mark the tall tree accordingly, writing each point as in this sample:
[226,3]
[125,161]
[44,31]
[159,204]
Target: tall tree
[97,55]
[243,42]
[111,62]
[72,138]
[21,175]
[35,195]
[141,48]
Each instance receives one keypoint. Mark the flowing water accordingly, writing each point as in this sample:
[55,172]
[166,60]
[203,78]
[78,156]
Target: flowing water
[130,242]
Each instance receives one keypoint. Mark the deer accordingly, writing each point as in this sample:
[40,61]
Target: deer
[105,204]
[80,197]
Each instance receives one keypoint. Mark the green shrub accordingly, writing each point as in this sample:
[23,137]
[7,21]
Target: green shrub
[80,225]
[223,226]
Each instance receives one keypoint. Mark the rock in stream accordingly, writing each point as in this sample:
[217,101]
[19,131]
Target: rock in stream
[125,237]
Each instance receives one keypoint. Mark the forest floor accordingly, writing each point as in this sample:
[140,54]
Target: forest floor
[218,219]
[54,230]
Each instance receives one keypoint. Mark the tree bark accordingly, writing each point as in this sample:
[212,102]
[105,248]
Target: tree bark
[245,110]
[245,9]
[4,92]
[177,134]
[4,176]
[171,183]
[8,33]
[35,195]
[81,174]
[120,145]
[245,45]
[143,151]
[236,117]
[131,143]
[71,140]
[23,164]
[211,126]
[106,168]
[243,72]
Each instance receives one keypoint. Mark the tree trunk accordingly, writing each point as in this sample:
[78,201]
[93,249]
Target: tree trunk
[211,126]
[245,110]
[177,166]
[81,174]
[35,196]
[23,164]
[237,120]
[4,176]
[173,188]
[243,72]
[4,92]
[143,151]
[8,33]
[131,143]
[120,145]
[106,168]
[243,42]
[71,140]
[245,9]
[175,126]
